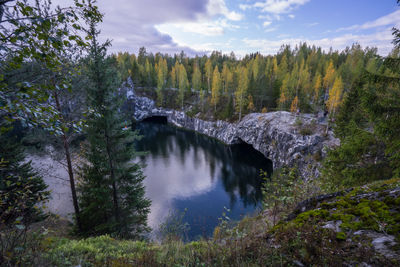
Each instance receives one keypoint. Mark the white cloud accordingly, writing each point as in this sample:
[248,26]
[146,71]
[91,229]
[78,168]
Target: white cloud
[291,16]
[218,7]
[312,24]
[245,7]
[390,19]
[203,27]
[206,24]
[381,40]
[267,23]
[279,6]
[270,29]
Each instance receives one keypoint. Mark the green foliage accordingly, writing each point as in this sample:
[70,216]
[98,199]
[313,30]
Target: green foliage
[357,213]
[367,126]
[22,192]
[303,75]
[278,191]
[22,189]
[111,186]
[283,190]
[174,228]
[33,37]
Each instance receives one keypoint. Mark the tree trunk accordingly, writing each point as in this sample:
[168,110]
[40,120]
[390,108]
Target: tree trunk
[69,165]
[114,185]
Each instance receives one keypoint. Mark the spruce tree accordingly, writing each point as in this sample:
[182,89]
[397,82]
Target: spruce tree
[22,190]
[111,190]
[22,193]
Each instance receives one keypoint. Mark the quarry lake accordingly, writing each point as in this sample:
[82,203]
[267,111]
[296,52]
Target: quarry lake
[192,179]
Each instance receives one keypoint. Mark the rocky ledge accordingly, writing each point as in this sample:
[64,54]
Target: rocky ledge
[281,136]
[362,219]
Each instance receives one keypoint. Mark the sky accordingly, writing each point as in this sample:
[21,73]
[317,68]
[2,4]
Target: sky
[246,26]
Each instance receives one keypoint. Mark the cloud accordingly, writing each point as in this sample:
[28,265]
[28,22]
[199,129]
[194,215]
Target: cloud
[279,6]
[244,7]
[202,27]
[267,23]
[312,24]
[218,7]
[381,40]
[273,9]
[131,24]
[390,19]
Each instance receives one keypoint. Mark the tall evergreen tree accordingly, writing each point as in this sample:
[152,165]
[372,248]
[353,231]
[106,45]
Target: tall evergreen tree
[241,93]
[22,193]
[216,88]
[111,190]
[21,189]
[183,84]
[196,78]
[208,71]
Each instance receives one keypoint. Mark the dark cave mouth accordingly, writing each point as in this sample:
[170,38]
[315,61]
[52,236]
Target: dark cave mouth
[250,154]
[156,119]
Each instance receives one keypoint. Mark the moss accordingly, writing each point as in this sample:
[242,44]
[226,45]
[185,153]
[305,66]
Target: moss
[305,216]
[341,236]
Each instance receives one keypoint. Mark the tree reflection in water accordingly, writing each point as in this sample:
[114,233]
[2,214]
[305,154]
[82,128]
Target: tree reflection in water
[185,169]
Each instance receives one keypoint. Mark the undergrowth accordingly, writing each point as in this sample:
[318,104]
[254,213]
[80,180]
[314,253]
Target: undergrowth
[254,241]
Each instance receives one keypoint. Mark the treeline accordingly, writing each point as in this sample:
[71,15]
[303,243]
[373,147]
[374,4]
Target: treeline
[303,78]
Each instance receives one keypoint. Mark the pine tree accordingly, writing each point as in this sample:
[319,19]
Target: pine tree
[216,88]
[183,84]
[250,106]
[335,95]
[208,71]
[196,78]
[111,190]
[22,190]
[225,77]
[329,77]
[241,93]
[317,88]
[284,93]
[162,71]
[295,105]
[173,78]
[148,68]
[22,193]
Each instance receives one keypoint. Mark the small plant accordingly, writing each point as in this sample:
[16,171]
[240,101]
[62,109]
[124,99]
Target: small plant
[306,131]
[283,190]
[226,226]
[174,228]
[298,122]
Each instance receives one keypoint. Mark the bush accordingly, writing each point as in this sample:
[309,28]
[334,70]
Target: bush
[284,190]
[306,131]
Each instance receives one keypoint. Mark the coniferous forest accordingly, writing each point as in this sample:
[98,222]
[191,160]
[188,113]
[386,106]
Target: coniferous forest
[60,87]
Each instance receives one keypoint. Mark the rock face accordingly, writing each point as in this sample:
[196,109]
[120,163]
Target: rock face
[275,134]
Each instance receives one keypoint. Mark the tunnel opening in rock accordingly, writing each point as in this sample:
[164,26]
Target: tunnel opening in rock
[157,119]
[252,156]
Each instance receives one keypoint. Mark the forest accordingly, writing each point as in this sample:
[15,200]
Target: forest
[60,86]
[302,78]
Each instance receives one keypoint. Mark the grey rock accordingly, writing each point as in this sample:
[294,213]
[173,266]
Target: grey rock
[382,243]
[274,134]
[334,225]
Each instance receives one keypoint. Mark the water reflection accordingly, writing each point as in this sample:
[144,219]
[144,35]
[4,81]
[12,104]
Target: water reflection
[186,170]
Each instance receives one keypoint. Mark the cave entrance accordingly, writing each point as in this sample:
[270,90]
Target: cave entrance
[248,154]
[157,119]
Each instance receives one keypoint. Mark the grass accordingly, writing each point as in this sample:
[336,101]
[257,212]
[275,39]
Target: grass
[254,241]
